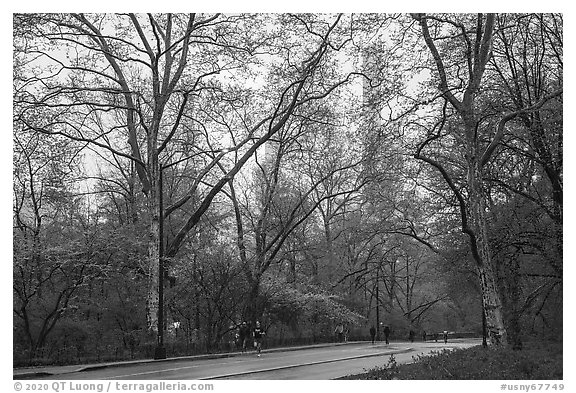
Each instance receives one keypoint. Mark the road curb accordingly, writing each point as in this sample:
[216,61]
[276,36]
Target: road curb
[32,375]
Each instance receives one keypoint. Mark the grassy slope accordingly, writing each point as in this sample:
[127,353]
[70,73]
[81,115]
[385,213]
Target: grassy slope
[536,361]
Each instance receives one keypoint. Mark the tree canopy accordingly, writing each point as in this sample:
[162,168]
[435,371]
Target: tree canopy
[304,170]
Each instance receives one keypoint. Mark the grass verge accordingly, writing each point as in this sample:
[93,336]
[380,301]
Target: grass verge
[536,361]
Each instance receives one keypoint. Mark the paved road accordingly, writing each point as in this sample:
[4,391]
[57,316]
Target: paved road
[315,363]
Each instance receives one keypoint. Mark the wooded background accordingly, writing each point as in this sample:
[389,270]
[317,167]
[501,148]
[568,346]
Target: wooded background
[305,170]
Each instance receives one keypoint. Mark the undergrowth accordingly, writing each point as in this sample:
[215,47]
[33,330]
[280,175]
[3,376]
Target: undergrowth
[542,361]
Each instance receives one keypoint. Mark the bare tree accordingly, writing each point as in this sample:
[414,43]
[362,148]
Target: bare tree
[124,83]
[461,87]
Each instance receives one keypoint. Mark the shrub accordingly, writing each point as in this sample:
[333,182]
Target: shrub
[543,361]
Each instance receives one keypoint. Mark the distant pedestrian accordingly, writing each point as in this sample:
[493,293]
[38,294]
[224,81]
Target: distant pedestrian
[373,333]
[387,333]
[424,336]
[243,333]
[236,344]
[411,336]
[258,334]
[339,332]
[445,334]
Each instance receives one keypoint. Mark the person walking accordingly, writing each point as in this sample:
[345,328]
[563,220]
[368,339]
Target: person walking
[445,334]
[424,336]
[243,333]
[236,344]
[339,332]
[258,334]
[372,333]
[411,336]
[387,333]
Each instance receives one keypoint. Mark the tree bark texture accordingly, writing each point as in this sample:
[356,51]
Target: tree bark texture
[153,261]
[480,243]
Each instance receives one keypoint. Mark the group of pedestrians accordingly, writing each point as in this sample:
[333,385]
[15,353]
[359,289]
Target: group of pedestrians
[386,334]
[435,336]
[341,333]
[411,335]
[245,335]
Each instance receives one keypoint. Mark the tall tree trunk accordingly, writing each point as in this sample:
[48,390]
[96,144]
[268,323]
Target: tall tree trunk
[492,306]
[511,303]
[152,299]
[132,207]
[254,308]
[481,251]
